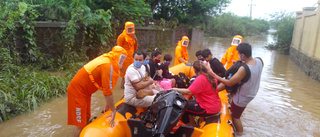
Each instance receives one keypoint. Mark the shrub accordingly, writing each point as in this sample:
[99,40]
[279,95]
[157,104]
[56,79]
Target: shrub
[284,25]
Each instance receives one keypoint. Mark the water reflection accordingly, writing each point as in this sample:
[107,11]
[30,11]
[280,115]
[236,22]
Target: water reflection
[287,104]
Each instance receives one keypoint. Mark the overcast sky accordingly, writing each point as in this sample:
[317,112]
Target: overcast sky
[261,8]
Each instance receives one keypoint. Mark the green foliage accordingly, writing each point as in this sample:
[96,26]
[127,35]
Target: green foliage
[284,25]
[124,10]
[22,88]
[191,12]
[89,29]
[228,24]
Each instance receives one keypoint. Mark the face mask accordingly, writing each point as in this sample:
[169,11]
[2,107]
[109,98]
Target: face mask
[137,64]
[121,59]
[167,63]
[146,62]
[156,60]
[240,58]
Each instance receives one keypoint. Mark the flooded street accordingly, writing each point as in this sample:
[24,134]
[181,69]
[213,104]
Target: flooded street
[287,104]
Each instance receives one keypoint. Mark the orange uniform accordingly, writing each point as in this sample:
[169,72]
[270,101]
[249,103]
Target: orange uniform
[232,53]
[128,41]
[181,53]
[101,73]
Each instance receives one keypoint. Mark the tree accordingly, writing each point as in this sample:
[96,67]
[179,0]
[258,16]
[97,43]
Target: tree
[191,12]
[124,10]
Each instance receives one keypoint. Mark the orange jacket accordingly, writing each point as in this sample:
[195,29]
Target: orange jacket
[230,55]
[181,53]
[100,73]
[129,43]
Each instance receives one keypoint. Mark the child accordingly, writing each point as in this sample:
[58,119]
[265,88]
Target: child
[167,76]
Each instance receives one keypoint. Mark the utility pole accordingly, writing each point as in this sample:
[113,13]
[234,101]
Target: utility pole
[251,9]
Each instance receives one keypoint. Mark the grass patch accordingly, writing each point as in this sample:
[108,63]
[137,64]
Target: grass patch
[23,89]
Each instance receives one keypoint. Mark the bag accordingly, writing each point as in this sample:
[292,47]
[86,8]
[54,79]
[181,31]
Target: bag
[232,70]
[217,67]
[182,81]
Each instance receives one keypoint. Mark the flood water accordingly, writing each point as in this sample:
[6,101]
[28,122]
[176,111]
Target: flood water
[287,104]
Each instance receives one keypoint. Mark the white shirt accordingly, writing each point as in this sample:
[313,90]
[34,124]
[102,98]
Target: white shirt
[132,74]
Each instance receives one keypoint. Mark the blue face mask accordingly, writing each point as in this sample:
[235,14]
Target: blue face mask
[137,64]
[240,58]
[202,59]
[167,63]
[146,62]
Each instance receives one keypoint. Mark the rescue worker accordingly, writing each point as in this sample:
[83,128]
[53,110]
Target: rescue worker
[100,74]
[232,54]
[181,53]
[128,40]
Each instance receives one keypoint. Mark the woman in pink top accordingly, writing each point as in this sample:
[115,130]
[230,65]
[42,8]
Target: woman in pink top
[204,88]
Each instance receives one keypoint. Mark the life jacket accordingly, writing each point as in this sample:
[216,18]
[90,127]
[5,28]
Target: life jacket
[232,70]
[182,81]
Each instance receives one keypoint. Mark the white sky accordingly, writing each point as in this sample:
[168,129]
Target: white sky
[262,8]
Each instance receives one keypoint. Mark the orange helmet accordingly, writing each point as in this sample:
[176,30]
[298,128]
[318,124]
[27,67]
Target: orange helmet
[118,54]
[185,41]
[129,27]
[237,39]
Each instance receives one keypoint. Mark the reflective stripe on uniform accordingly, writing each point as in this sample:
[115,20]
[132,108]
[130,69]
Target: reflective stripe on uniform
[181,60]
[111,73]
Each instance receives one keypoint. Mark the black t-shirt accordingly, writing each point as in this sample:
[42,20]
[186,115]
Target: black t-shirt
[153,70]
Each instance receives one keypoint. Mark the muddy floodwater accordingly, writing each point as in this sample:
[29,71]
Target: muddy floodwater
[287,104]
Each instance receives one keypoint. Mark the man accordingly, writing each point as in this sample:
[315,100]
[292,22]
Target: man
[249,89]
[232,55]
[181,53]
[128,40]
[135,80]
[99,74]
[216,65]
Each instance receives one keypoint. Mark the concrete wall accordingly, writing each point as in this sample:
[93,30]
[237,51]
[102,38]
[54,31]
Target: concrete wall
[50,39]
[305,46]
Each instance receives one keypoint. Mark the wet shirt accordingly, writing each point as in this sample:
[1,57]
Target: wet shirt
[207,98]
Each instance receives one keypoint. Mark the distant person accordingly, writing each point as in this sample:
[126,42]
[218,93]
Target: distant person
[181,53]
[249,89]
[232,55]
[128,40]
[199,55]
[100,74]
[216,65]
[204,88]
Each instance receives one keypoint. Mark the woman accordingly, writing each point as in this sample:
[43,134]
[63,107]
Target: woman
[204,88]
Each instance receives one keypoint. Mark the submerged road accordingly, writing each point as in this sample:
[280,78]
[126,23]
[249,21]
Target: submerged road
[287,104]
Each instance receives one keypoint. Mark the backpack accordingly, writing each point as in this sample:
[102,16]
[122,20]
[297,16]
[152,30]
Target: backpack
[217,67]
[182,81]
[232,70]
